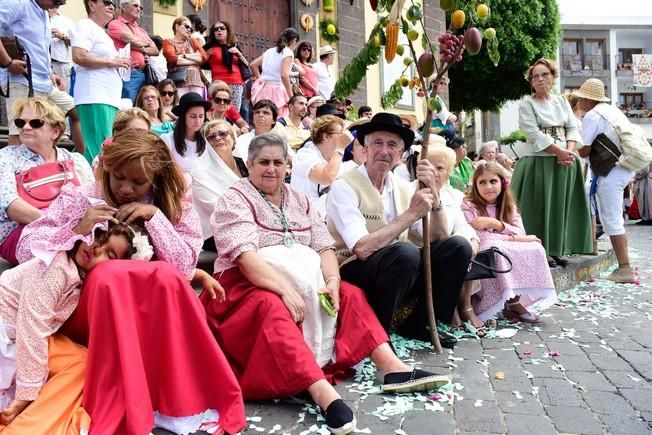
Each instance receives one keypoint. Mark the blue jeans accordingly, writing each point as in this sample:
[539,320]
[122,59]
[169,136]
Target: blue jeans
[131,88]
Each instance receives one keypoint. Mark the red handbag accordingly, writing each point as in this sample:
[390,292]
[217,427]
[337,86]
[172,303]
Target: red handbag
[42,184]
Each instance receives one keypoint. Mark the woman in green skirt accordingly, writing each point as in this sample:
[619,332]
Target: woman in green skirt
[547,181]
[98,84]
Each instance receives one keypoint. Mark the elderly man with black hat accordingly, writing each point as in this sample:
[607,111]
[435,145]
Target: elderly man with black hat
[375,218]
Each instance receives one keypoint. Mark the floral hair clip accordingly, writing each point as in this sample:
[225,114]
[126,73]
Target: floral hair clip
[504,183]
[107,142]
[144,250]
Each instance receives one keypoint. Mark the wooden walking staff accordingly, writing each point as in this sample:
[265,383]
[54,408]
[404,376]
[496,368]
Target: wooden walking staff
[425,84]
[430,303]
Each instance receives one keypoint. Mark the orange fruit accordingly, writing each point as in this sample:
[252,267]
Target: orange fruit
[458,19]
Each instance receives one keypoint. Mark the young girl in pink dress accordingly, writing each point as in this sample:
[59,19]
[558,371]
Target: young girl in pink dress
[36,297]
[149,345]
[491,210]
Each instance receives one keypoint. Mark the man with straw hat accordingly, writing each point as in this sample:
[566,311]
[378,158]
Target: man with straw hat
[606,188]
[373,214]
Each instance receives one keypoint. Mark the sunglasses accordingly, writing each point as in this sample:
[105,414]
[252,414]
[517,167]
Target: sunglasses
[221,100]
[138,7]
[219,28]
[306,48]
[221,134]
[34,123]
[185,25]
[108,3]
[167,93]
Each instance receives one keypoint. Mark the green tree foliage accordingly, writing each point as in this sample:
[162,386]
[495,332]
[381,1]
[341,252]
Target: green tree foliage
[527,30]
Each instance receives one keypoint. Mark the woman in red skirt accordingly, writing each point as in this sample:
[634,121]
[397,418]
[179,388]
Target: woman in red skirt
[278,267]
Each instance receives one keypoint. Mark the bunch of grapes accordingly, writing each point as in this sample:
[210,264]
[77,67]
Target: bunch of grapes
[450,47]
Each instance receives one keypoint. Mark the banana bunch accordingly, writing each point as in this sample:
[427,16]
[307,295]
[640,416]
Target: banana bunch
[198,4]
[307,22]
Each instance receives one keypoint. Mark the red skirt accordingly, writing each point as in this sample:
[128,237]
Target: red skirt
[266,348]
[149,348]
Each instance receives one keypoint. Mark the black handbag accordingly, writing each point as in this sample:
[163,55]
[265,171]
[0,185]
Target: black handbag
[245,71]
[150,75]
[178,75]
[604,155]
[16,51]
[483,266]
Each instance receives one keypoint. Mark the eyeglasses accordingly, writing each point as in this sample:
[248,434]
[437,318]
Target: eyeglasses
[34,123]
[151,97]
[187,26]
[219,29]
[217,100]
[108,3]
[167,93]
[545,75]
[221,134]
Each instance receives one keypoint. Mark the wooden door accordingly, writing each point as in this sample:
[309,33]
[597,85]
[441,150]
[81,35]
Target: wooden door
[257,23]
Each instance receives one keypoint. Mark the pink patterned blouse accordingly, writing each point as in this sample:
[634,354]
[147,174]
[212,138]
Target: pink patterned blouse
[243,221]
[178,244]
[37,299]
[471,212]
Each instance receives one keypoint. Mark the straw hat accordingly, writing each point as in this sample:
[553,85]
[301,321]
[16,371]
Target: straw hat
[592,89]
[326,49]
[410,119]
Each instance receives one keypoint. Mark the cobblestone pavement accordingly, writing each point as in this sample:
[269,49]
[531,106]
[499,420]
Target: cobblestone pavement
[585,370]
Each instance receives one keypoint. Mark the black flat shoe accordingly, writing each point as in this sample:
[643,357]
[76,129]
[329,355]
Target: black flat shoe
[447,340]
[339,418]
[410,382]
[561,261]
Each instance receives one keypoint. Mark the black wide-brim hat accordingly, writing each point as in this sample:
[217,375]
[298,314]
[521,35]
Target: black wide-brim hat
[386,122]
[191,99]
[329,109]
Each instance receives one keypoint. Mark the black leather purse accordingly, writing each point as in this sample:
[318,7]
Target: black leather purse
[483,266]
[16,51]
[150,75]
[604,155]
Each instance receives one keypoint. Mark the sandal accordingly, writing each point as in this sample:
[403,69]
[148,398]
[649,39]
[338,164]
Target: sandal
[479,330]
[526,317]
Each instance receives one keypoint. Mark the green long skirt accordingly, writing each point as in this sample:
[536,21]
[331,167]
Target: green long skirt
[96,123]
[553,204]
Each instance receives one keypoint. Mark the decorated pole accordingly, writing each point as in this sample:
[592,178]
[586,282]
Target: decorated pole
[451,47]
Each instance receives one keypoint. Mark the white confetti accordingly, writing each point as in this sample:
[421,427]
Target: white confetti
[528,374]
[478,403]
[255,419]
[633,378]
[517,394]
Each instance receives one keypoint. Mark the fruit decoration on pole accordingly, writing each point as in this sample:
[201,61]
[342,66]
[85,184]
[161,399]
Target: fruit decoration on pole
[468,27]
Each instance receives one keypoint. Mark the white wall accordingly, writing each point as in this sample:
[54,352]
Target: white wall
[509,118]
